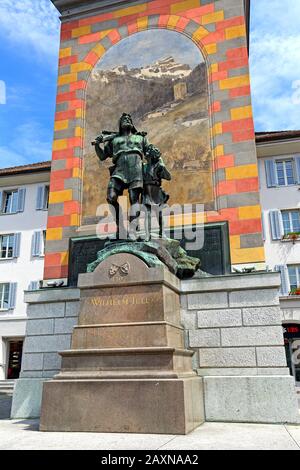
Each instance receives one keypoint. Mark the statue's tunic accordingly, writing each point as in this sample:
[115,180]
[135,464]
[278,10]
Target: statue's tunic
[127,155]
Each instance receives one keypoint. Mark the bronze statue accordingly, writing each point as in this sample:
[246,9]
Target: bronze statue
[127,149]
[154,197]
[138,166]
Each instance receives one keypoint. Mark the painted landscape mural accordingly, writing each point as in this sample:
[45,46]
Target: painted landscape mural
[159,77]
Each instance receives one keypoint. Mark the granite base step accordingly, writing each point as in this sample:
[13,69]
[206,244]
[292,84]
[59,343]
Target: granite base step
[152,406]
[164,361]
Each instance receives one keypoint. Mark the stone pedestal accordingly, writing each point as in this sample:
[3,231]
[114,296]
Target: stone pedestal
[127,369]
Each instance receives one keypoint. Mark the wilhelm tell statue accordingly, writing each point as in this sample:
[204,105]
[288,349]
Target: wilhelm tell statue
[139,167]
[127,149]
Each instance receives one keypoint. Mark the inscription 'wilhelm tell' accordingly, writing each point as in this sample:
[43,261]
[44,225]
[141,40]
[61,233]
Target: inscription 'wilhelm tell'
[118,302]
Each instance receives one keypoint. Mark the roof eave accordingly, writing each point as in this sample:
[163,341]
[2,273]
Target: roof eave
[19,170]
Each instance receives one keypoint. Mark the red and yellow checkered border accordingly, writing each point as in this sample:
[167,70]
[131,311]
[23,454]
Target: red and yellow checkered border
[82,47]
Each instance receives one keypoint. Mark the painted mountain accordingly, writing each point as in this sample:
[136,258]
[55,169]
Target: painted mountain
[168,100]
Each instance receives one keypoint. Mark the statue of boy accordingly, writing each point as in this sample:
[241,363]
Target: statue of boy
[154,197]
[126,148]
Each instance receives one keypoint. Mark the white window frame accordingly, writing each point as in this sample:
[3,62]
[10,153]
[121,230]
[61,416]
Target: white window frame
[38,241]
[284,161]
[43,197]
[297,266]
[5,196]
[289,212]
[2,294]
[46,197]
[44,235]
[8,235]
[34,285]
[271,170]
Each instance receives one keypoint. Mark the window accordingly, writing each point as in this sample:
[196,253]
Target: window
[291,221]
[285,172]
[46,197]
[294,276]
[34,285]
[7,246]
[10,245]
[42,201]
[38,243]
[282,171]
[44,241]
[8,293]
[4,296]
[12,201]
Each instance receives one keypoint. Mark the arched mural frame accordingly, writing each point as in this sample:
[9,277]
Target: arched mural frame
[221,39]
[166,22]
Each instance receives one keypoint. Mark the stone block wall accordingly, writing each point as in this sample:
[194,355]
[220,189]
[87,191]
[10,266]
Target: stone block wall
[52,315]
[234,325]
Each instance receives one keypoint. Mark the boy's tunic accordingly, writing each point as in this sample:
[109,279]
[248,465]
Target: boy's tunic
[153,194]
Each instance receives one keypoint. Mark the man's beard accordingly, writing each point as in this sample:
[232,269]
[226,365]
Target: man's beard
[126,126]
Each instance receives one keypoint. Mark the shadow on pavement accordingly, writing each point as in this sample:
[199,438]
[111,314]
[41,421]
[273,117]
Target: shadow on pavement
[29,424]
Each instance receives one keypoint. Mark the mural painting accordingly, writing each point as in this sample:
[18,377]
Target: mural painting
[159,77]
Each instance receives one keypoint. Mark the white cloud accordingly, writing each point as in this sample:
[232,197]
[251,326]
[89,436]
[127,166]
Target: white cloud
[10,158]
[31,144]
[2,92]
[275,64]
[31,23]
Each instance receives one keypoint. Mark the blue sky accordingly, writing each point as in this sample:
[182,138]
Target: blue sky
[29,40]
[147,48]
